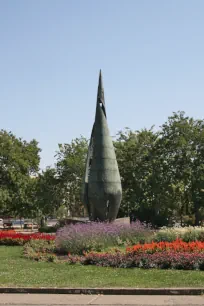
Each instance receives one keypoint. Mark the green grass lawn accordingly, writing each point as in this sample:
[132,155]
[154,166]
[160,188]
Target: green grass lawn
[18,271]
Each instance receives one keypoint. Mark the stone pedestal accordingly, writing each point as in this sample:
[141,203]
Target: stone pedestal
[125,220]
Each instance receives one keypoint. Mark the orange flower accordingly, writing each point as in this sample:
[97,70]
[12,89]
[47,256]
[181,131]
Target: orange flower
[177,246]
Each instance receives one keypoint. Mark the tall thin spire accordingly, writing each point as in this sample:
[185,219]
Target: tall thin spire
[100,103]
[100,95]
[100,83]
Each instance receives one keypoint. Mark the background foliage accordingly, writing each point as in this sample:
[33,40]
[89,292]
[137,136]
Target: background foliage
[162,174]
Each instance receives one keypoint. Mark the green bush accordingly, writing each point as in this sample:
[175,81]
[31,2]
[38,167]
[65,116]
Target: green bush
[168,235]
[40,245]
[193,235]
[189,220]
[187,234]
[47,229]
[40,250]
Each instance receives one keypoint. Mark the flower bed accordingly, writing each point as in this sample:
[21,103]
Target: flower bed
[12,238]
[163,255]
[175,246]
[159,260]
[82,243]
[40,250]
[96,236]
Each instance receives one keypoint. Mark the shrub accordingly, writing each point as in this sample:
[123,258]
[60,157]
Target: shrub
[80,238]
[47,229]
[67,221]
[168,235]
[159,260]
[187,234]
[193,235]
[41,246]
[40,250]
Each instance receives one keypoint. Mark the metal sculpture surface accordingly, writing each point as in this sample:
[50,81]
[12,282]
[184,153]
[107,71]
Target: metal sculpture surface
[102,191]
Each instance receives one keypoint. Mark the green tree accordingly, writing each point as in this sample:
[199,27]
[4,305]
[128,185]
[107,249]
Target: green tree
[137,162]
[70,169]
[163,173]
[181,152]
[19,161]
[48,193]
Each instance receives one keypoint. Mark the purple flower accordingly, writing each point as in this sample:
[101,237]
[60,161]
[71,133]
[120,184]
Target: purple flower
[76,239]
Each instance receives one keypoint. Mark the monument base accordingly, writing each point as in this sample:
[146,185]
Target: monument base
[75,220]
[125,220]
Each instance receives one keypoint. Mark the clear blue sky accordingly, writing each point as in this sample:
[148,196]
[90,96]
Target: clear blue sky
[151,54]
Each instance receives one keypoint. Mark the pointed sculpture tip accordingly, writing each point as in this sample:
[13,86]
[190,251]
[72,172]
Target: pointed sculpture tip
[100,83]
[100,94]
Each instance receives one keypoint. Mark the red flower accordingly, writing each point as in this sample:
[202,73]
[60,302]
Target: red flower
[25,237]
[177,246]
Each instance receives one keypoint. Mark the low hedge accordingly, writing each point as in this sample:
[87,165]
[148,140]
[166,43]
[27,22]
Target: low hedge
[187,234]
[48,229]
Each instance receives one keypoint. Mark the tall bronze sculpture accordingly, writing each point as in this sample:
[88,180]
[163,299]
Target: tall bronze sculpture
[102,191]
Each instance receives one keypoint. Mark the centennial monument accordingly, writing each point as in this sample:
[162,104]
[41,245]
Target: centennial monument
[102,191]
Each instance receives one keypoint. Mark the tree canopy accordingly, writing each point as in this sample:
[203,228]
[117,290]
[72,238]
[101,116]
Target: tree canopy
[19,162]
[162,174]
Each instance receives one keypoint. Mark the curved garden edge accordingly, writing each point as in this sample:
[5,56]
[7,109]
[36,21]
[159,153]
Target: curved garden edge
[89,244]
[175,255]
[31,274]
[106,291]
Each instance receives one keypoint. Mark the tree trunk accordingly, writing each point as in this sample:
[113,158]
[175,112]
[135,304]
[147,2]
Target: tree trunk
[197,217]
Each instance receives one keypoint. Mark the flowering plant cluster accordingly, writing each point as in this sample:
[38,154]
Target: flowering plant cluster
[159,260]
[95,236]
[163,255]
[40,250]
[12,238]
[175,246]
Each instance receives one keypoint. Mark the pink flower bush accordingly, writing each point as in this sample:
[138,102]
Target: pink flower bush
[159,260]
